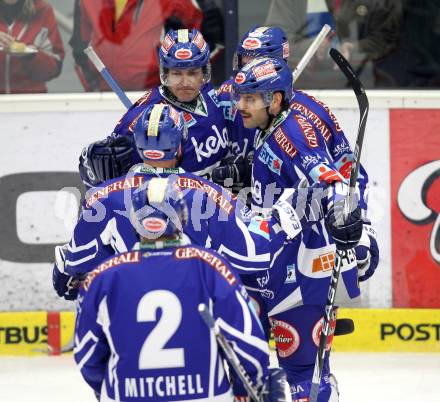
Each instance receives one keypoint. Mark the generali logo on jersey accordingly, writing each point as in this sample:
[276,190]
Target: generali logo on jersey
[308,131]
[284,142]
[211,259]
[120,185]
[319,124]
[125,258]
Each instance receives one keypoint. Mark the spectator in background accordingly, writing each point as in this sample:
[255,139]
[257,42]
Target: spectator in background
[126,35]
[369,31]
[31,50]
[420,43]
[368,34]
[302,20]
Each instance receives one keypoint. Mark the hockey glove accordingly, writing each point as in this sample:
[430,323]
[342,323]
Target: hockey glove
[367,253]
[64,284]
[230,172]
[107,159]
[347,232]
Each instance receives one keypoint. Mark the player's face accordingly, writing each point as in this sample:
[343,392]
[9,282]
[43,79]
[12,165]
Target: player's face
[253,110]
[185,84]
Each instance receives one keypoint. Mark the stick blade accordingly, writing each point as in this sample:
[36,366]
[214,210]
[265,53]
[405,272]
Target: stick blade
[348,71]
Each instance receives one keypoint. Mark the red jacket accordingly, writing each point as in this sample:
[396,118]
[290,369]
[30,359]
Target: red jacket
[28,74]
[129,46]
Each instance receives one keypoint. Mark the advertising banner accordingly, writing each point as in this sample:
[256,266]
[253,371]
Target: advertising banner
[415,200]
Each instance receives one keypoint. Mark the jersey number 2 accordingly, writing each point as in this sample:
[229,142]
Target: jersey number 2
[153,355]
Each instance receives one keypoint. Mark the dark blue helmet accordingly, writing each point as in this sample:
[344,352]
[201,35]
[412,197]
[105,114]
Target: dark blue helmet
[158,208]
[266,76]
[184,48]
[159,132]
[263,42]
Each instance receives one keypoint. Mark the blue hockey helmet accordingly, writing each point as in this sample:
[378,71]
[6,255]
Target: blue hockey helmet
[263,75]
[262,42]
[158,133]
[184,48]
[158,208]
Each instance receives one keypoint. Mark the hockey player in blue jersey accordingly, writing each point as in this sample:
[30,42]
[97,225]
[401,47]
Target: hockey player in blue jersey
[288,153]
[272,42]
[138,333]
[217,218]
[185,76]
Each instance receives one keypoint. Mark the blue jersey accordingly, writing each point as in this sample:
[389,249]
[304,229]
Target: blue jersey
[319,115]
[241,138]
[139,335]
[288,152]
[328,128]
[216,220]
[207,143]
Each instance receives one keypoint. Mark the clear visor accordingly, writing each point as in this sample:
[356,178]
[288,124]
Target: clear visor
[254,101]
[185,76]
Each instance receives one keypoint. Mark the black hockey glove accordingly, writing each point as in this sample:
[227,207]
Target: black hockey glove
[230,172]
[346,232]
[107,159]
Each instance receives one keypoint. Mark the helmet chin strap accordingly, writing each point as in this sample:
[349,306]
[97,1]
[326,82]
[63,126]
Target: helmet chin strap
[270,118]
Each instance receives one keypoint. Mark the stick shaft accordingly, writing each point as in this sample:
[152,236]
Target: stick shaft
[102,69]
[362,100]
[230,354]
[310,52]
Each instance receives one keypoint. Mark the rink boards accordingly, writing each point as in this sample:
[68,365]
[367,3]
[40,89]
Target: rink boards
[401,153]
[376,330]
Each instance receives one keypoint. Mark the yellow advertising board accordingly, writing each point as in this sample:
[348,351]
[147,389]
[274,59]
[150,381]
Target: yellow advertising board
[390,330]
[376,330]
[28,333]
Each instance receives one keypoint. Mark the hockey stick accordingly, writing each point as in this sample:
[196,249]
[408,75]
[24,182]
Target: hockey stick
[102,69]
[310,52]
[362,100]
[229,352]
